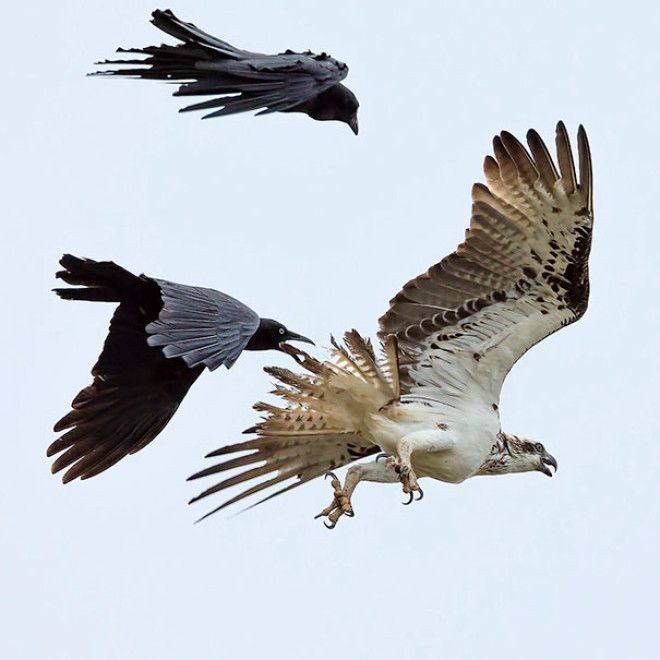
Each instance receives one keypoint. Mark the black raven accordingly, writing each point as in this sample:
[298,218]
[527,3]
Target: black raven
[242,80]
[161,337]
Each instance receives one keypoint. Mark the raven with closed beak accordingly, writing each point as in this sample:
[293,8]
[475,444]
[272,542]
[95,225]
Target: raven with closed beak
[161,338]
[241,80]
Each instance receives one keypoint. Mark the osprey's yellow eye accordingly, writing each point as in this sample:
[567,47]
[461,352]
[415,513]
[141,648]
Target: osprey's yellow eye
[538,446]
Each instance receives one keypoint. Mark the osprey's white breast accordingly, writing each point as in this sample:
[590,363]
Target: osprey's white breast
[471,428]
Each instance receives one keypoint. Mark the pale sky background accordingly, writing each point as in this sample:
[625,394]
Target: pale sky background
[308,224]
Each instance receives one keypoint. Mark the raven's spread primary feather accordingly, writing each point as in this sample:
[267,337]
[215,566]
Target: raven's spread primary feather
[241,80]
[161,337]
[450,337]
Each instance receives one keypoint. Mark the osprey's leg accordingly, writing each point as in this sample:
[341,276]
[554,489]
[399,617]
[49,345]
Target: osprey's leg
[418,441]
[379,471]
[405,473]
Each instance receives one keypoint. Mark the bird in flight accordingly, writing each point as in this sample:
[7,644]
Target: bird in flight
[162,336]
[429,405]
[241,80]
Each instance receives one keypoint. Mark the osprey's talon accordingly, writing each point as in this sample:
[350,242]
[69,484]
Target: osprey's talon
[382,455]
[340,505]
[411,494]
[409,483]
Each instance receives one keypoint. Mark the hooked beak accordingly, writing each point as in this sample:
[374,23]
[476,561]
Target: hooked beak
[353,123]
[546,461]
[293,336]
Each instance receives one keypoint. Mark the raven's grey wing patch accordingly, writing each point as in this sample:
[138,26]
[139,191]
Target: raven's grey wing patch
[201,326]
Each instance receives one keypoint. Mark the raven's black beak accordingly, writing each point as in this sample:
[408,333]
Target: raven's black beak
[293,336]
[353,123]
[546,461]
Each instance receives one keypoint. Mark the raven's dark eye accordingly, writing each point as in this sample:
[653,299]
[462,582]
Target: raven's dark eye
[281,331]
[538,446]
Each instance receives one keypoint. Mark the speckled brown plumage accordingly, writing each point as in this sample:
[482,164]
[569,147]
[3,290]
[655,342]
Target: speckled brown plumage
[527,245]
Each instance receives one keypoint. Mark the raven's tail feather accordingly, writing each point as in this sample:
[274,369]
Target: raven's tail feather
[180,62]
[102,281]
[205,66]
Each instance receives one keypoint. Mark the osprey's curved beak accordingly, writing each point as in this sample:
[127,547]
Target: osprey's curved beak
[353,123]
[293,336]
[547,460]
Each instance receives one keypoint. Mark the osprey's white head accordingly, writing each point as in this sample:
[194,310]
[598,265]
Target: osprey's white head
[513,454]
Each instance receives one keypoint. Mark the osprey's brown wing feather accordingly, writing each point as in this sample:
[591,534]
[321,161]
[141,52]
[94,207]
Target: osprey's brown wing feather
[521,272]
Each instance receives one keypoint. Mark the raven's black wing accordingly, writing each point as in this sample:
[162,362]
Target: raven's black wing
[136,390]
[242,80]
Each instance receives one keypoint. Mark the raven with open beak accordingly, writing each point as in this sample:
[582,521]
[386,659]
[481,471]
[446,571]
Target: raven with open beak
[162,336]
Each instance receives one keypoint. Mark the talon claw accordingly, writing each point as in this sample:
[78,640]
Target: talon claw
[421,494]
[340,505]
[382,455]
[410,495]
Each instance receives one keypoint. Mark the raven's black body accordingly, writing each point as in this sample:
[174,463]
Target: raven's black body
[136,388]
[241,80]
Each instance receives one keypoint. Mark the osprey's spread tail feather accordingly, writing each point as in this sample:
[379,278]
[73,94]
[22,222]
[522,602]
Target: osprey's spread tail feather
[320,427]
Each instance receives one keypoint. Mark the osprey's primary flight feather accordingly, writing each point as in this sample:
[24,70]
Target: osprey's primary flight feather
[240,80]
[449,338]
[162,336]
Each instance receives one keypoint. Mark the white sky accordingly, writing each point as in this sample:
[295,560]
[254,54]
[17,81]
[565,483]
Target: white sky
[317,228]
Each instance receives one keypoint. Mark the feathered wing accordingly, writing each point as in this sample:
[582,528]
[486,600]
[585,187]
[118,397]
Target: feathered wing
[201,326]
[319,426]
[241,79]
[136,390]
[520,275]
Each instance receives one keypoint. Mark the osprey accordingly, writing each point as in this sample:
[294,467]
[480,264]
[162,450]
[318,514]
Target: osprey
[239,79]
[162,336]
[430,404]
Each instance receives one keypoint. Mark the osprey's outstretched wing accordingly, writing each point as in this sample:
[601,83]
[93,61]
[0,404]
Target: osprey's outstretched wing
[520,275]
